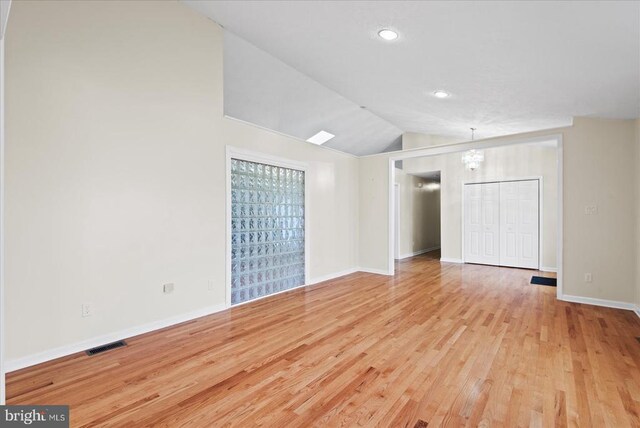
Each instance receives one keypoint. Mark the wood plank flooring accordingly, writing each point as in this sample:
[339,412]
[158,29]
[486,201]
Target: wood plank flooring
[436,345]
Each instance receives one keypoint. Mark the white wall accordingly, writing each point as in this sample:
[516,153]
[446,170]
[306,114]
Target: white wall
[500,163]
[115,179]
[599,162]
[419,225]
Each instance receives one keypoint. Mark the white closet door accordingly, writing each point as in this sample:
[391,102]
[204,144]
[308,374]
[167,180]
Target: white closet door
[519,224]
[482,223]
[509,213]
[473,223]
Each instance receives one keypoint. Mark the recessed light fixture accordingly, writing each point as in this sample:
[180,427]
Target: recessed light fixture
[321,138]
[441,94]
[388,34]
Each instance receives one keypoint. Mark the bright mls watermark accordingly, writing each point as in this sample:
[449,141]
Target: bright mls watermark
[34,416]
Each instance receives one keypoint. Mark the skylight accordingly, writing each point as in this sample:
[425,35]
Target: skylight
[321,138]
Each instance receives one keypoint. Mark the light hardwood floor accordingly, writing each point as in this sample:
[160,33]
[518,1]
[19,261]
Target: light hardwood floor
[438,344]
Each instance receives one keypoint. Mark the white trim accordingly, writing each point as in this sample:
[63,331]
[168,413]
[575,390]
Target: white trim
[636,309]
[417,253]
[375,271]
[597,302]
[547,269]
[485,143]
[252,156]
[396,226]
[450,260]
[62,351]
[477,144]
[391,212]
[331,276]
[560,219]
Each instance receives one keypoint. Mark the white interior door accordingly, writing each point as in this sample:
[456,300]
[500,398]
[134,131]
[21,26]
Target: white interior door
[482,223]
[519,224]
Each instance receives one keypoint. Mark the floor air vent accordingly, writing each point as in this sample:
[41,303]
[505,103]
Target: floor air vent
[107,347]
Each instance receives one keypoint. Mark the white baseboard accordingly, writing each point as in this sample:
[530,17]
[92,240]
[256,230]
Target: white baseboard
[636,309]
[417,253]
[548,269]
[372,270]
[598,302]
[63,351]
[332,276]
[449,260]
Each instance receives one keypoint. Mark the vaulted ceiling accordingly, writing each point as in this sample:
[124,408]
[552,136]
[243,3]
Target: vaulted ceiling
[510,67]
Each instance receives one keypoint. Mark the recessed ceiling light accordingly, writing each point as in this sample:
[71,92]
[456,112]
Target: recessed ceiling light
[388,34]
[441,94]
[321,138]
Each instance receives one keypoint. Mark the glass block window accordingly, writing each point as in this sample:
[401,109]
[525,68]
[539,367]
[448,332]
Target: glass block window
[267,229]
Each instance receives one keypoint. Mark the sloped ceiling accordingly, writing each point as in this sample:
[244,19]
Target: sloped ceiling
[263,90]
[510,66]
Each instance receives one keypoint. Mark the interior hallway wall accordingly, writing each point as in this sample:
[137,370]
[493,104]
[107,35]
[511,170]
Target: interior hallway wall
[419,214]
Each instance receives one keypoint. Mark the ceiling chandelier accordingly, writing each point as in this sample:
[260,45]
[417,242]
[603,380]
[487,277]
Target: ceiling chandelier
[472,158]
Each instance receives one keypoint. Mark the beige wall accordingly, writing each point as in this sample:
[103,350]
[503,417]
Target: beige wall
[419,221]
[500,164]
[115,171]
[598,162]
[373,222]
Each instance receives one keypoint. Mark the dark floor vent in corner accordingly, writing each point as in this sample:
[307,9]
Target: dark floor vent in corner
[107,347]
[541,280]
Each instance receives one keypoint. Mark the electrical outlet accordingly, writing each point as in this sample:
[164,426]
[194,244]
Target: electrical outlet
[588,277]
[167,288]
[210,285]
[591,210]
[87,310]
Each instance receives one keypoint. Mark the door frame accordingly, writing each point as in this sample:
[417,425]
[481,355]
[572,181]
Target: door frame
[396,201]
[540,211]
[480,144]
[253,156]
